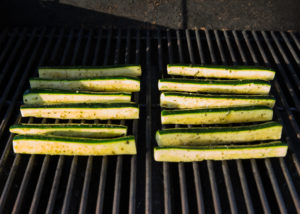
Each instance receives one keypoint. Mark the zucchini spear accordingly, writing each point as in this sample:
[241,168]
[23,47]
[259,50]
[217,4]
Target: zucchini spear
[215,86]
[226,72]
[76,72]
[217,115]
[124,84]
[189,154]
[48,96]
[194,101]
[218,135]
[71,130]
[38,144]
[102,111]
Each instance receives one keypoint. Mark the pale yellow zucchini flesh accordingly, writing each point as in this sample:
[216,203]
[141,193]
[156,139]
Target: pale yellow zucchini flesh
[194,101]
[215,86]
[218,135]
[217,115]
[71,130]
[114,84]
[49,97]
[186,154]
[36,144]
[76,72]
[226,72]
[89,112]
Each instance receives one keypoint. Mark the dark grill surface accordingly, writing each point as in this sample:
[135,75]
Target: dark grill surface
[137,184]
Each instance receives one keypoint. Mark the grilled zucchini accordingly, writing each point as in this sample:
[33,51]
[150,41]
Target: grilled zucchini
[192,100]
[48,96]
[102,111]
[217,115]
[75,72]
[218,135]
[189,154]
[71,130]
[124,84]
[38,144]
[226,72]
[215,86]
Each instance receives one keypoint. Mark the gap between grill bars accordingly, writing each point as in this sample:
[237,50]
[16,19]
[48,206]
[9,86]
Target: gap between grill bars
[137,184]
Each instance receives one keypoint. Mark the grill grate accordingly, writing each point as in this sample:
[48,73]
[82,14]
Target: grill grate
[135,184]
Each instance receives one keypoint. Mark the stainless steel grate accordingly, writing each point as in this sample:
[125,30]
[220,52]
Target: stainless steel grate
[137,184]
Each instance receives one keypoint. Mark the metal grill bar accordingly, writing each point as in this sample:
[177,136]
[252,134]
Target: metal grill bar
[88,170]
[166,168]
[103,174]
[148,164]
[12,55]
[133,165]
[8,46]
[181,168]
[197,179]
[73,170]
[117,188]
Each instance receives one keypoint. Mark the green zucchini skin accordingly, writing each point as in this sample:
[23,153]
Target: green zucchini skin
[217,115]
[195,100]
[48,96]
[215,86]
[228,152]
[38,144]
[107,83]
[71,130]
[75,72]
[226,72]
[101,111]
[218,135]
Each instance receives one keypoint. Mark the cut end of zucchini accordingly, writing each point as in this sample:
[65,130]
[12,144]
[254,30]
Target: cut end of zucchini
[71,130]
[217,115]
[76,72]
[28,144]
[196,101]
[215,86]
[226,72]
[186,154]
[218,135]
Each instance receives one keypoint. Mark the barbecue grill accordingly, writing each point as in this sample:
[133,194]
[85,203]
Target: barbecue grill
[137,184]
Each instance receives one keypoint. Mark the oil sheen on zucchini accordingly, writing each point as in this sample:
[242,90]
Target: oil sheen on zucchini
[77,72]
[50,145]
[194,101]
[217,115]
[228,152]
[48,96]
[71,130]
[215,86]
[116,84]
[226,72]
[101,111]
[218,135]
